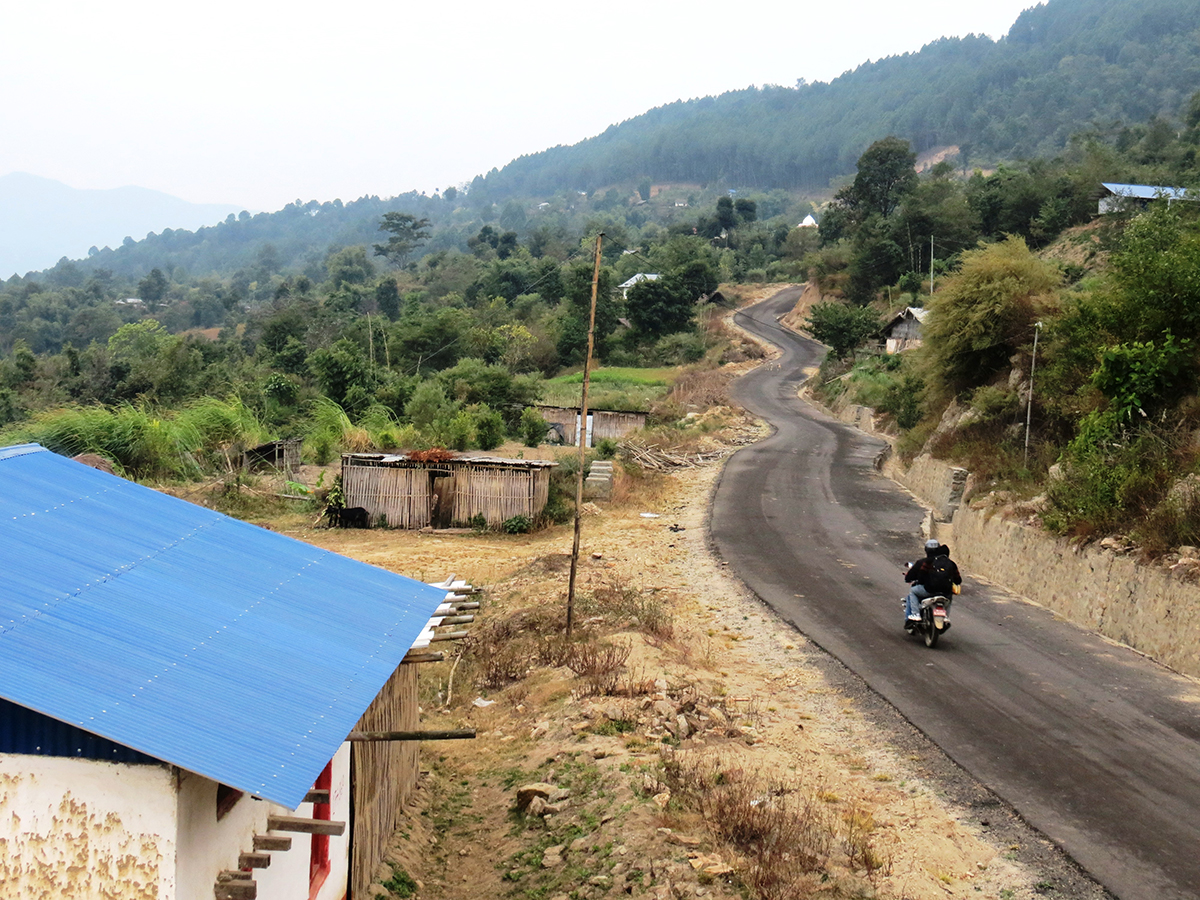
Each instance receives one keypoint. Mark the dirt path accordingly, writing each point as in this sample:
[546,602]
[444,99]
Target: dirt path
[722,694]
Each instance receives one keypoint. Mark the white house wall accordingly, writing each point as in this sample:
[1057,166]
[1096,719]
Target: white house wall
[85,829]
[207,846]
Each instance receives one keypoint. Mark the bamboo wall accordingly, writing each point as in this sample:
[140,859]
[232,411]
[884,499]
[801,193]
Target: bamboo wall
[384,775]
[615,425]
[497,493]
[402,494]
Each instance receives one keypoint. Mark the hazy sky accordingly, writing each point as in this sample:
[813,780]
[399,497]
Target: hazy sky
[261,102]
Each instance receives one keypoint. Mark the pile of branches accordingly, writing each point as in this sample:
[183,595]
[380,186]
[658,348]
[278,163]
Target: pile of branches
[658,459]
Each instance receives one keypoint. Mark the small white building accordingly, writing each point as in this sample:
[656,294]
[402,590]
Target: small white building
[176,691]
[809,222]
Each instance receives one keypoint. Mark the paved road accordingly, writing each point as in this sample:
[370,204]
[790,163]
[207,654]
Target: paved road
[1094,746]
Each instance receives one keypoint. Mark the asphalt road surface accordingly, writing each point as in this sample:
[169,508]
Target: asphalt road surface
[1095,746]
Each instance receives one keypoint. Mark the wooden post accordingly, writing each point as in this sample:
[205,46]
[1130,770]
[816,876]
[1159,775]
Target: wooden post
[1037,329]
[582,436]
[370,736]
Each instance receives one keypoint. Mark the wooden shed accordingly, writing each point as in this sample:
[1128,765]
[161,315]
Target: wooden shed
[415,493]
[903,332]
[602,423]
[279,456]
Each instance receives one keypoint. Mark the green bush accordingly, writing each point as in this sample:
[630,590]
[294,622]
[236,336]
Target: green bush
[460,431]
[517,525]
[533,427]
[489,428]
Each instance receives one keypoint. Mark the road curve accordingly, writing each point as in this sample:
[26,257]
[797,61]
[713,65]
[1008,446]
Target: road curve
[1093,745]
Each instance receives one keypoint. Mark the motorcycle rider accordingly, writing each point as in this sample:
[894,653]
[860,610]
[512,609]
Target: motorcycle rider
[929,577]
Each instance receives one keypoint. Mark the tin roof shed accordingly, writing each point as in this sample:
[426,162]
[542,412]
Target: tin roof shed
[196,639]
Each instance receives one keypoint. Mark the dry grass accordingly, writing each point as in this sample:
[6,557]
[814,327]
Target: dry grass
[599,664]
[786,838]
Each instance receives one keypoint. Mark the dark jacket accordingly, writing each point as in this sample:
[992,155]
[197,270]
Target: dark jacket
[920,572]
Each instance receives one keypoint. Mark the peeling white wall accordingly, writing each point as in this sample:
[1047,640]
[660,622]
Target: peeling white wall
[86,829]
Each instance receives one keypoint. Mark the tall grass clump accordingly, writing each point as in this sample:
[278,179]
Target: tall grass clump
[331,431]
[211,427]
[143,442]
[136,441]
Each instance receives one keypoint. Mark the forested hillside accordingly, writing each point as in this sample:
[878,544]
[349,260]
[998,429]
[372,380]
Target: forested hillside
[425,321]
[1065,67]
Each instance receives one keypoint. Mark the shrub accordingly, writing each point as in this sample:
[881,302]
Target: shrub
[460,431]
[517,525]
[985,313]
[842,327]
[489,428]
[533,427]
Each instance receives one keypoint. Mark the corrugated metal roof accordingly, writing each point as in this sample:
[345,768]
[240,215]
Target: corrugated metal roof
[218,646]
[1146,191]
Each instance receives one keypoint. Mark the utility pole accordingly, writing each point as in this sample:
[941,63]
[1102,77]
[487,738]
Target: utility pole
[581,435]
[1037,329]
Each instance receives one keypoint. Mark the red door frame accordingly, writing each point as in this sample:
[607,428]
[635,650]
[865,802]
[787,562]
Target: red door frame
[318,860]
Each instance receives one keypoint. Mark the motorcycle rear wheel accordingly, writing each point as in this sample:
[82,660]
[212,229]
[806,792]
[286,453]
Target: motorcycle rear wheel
[931,632]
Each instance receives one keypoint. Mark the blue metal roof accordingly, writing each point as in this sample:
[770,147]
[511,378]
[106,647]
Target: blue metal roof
[1146,191]
[184,634]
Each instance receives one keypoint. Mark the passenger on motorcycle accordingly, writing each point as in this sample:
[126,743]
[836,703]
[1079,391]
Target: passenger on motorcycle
[934,575]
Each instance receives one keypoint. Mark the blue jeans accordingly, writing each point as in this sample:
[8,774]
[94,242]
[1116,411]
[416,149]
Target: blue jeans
[912,603]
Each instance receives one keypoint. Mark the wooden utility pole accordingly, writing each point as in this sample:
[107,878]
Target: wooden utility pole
[581,436]
[1037,329]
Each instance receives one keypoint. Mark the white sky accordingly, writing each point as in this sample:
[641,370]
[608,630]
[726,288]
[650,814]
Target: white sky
[261,102]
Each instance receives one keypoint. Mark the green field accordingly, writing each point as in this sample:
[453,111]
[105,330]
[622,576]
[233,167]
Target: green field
[616,388]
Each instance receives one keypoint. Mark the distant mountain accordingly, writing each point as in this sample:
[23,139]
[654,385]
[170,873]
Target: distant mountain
[42,220]
[1065,66]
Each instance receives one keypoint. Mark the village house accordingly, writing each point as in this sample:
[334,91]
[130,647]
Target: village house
[601,424]
[1123,197]
[903,332]
[176,692]
[624,286]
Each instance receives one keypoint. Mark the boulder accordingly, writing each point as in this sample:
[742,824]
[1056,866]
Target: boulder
[540,789]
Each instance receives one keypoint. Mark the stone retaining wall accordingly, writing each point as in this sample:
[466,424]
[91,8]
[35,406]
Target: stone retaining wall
[1150,608]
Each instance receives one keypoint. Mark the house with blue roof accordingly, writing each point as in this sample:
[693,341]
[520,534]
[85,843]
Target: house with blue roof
[1116,197]
[176,690]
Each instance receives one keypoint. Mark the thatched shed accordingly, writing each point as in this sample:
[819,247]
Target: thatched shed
[602,423]
[414,493]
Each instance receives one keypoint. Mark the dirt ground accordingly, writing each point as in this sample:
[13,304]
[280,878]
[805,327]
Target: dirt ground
[762,708]
[697,746]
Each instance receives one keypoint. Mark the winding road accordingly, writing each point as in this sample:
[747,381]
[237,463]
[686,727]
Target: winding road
[1092,744]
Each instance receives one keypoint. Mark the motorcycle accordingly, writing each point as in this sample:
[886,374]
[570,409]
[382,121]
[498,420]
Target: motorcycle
[935,620]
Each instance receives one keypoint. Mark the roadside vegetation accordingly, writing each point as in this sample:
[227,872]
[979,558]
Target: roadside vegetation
[446,325]
[1112,302]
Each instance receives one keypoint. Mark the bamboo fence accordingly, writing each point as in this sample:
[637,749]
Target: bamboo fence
[497,493]
[384,774]
[402,492]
